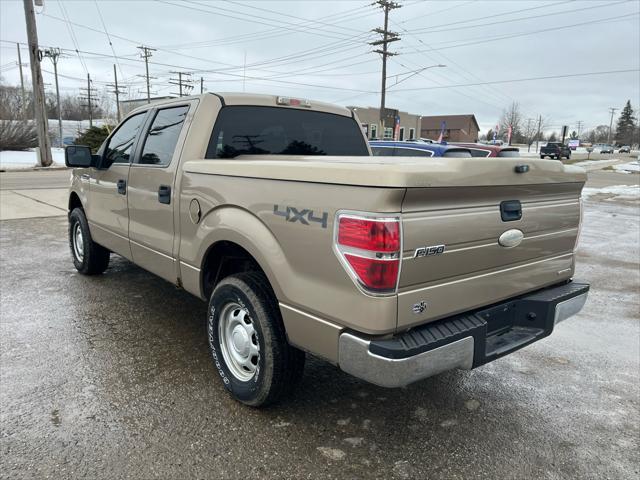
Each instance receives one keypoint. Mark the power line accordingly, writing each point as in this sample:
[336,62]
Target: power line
[104,26]
[494,15]
[478,41]
[495,82]
[252,19]
[72,34]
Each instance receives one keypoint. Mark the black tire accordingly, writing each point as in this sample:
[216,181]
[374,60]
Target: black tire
[542,157]
[91,259]
[278,366]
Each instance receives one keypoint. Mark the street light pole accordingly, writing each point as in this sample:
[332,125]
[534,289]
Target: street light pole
[612,110]
[417,72]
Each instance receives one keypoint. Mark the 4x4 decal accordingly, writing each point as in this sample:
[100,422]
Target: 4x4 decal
[304,215]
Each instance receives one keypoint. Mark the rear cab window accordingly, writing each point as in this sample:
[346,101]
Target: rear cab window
[254,130]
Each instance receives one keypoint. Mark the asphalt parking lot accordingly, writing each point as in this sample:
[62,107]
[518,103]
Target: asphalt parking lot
[110,377]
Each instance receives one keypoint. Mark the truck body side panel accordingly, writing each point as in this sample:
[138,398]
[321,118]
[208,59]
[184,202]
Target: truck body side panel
[296,252]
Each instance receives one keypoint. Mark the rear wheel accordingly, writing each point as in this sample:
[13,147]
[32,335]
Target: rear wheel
[248,341]
[89,258]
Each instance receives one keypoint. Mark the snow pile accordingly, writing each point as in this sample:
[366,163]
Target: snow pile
[623,192]
[628,167]
[11,160]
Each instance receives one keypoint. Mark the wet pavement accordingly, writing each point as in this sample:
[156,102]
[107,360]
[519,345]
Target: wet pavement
[110,377]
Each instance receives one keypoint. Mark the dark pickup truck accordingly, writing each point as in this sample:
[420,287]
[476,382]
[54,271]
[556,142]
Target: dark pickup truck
[555,150]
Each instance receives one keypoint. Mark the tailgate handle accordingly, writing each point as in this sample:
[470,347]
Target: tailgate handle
[510,210]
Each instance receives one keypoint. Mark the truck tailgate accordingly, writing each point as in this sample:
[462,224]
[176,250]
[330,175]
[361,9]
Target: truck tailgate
[452,258]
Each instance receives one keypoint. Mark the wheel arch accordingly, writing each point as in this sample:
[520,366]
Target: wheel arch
[234,240]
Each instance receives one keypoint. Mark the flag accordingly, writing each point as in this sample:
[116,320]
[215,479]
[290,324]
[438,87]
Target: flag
[443,127]
[396,128]
[509,135]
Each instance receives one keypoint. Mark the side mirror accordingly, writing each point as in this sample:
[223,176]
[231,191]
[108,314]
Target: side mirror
[79,156]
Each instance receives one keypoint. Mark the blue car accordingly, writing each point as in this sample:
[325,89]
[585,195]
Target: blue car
[417,149]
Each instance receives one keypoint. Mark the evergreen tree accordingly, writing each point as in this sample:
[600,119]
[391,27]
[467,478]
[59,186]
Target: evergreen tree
[626,127]
[553,137]
[574,135]
[490,135]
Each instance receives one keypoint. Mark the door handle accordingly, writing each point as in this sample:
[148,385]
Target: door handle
[164,194]
[122,187]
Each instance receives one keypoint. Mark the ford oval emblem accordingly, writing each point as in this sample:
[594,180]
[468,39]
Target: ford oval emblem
[511,238]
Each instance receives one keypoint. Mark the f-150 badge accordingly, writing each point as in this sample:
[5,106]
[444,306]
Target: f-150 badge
[428,251]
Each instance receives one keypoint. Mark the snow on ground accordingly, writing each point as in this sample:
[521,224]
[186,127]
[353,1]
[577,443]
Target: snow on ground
[12,160]
[622,192]
[628,167]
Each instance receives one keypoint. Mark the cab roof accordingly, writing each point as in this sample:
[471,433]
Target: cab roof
[256,99]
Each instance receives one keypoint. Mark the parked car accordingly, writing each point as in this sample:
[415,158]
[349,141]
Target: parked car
[417,149]
[606,149]
[625,149]
[68,140]
[273,210]
[482,150]
[555,150]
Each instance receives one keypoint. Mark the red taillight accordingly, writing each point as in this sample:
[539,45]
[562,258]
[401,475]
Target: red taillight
[369,248]
[375,274]
[368,234]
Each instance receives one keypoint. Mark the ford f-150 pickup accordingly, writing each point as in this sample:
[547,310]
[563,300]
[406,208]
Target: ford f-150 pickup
[556,150]
[273,210]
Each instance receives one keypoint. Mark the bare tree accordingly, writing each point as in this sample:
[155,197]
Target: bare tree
[512,117]
[529,130]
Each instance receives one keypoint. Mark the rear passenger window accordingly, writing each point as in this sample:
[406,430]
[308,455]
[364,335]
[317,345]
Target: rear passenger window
[412,152]
[457,154]
[509,153]
[121,143]
[162,138]
[382,151]
[478,153]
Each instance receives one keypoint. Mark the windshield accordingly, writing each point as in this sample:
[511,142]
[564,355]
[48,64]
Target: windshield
[251,130]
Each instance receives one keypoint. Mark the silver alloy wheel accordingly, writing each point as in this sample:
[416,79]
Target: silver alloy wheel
[78,242]
[238,341]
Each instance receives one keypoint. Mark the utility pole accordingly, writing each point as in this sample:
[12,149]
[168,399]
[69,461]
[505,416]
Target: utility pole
[24,96]
[54,54]
[387,37]
[579,125]
[146,54]
[116,90]
[44,157]
[184,83]
[201,85]
[612,110]
[538,134]
[90,98]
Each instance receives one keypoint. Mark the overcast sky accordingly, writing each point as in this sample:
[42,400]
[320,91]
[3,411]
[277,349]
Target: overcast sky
[319,50]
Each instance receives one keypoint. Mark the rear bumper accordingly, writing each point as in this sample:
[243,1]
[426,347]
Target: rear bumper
[464,341]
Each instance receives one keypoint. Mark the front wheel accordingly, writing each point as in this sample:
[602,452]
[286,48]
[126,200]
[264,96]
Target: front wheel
[89,258]
[248,341]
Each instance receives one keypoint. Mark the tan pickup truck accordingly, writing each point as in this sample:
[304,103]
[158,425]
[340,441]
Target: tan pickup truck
[273,210]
